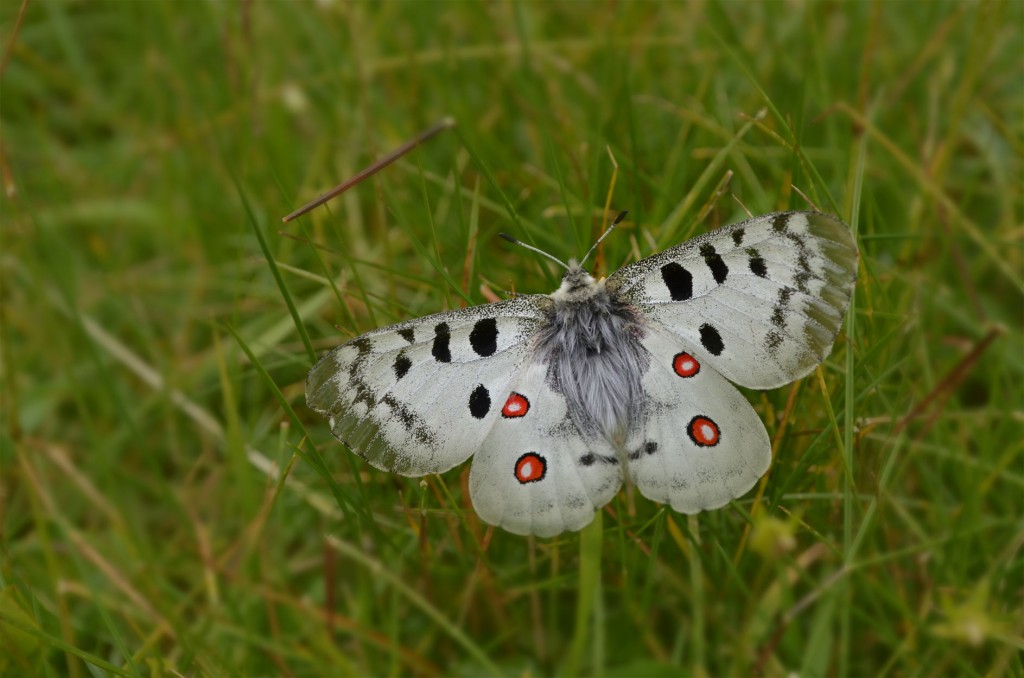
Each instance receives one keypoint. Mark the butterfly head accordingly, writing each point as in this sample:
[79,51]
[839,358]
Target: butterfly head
[577,284]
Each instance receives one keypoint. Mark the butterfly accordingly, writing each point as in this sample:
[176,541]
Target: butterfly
[561,397]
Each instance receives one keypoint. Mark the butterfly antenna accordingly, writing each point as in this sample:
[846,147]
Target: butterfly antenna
[618,220]
[512,240]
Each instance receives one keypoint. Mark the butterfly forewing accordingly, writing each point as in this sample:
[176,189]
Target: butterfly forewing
[761,301]
[419,397]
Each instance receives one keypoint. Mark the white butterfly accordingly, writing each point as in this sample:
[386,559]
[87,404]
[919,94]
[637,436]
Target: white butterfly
[562,396]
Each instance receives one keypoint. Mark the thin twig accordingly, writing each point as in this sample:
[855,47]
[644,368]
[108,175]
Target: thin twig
[372,169]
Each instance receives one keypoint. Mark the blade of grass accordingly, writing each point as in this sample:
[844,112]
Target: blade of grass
[202,418]
[383,573]
[849,489]
[285,294]
[329,279]
[588,594]
[936,191]
[697,591]
[795,146]
[83,551]
[433,258]
[671,222]
[312,454]
[59,644]
[482,166]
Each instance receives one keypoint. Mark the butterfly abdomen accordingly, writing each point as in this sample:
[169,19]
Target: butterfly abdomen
[591,345]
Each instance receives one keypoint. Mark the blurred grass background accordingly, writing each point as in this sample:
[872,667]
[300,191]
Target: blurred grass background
[146,528]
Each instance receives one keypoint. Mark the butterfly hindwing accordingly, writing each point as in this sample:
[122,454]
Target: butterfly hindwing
[419,397]
[535,473]
[760,301]
[702,444]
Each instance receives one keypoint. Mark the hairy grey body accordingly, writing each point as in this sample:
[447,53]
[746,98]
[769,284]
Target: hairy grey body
[591,344]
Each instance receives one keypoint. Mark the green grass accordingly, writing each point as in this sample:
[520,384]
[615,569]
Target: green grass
[170,505]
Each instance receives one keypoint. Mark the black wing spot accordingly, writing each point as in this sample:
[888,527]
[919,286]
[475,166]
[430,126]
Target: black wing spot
[803,262]
[409,334]
[780,222]
[363,394]
[361,344]
[402,365]
[737,236]
[714,261]
[650,447]
[442,351]
[484,337]
[773,340]
[801,281]
[410,421]
[678,280]
[758,267]
[480,402]
[711,339]
[801,245]
[779,316]
[779,310]
[589,458]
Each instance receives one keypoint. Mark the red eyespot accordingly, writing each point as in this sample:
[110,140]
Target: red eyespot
[516,406]
[703,432]
[685,365]
[530,468]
